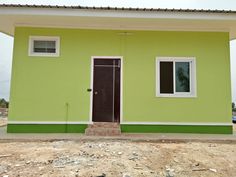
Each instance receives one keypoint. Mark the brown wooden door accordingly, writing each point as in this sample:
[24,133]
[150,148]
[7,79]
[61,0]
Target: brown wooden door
[106,90]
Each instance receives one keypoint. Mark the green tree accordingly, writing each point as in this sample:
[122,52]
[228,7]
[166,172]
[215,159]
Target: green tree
[233,107]
[3,103]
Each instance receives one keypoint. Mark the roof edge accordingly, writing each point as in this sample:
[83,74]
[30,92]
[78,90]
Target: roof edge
[117,8]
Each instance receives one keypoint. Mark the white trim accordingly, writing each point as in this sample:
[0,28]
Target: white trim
[193,82]
[120,27]
[174,77]
[121,84]
[121,89]
[176,123]
[46,122]
[123,123]
[44,38]
[91,92]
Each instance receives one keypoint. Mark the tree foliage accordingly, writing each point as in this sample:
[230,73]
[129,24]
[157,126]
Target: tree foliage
[3,103]
[233,107]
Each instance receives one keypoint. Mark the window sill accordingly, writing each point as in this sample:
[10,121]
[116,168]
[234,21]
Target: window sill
[176,96]
[43,55]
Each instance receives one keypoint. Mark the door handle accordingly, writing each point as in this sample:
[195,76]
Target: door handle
[95,93]
[89,89]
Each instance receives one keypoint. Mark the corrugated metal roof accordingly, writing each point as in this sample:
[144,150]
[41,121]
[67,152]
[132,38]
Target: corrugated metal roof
[119,8]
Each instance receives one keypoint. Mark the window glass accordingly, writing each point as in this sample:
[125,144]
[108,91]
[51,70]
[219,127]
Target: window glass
[44,46]
[182,77]
[166,77]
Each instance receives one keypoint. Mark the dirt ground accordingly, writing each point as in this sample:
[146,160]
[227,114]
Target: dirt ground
[116,158]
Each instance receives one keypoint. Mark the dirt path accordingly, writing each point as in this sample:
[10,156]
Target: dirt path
[116,158]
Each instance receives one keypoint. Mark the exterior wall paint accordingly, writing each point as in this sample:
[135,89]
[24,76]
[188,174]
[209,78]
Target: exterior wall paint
[69,128]
[42,86]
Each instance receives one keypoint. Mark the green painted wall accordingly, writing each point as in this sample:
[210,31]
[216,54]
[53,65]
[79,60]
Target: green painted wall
[46,128]
[41,86]
[62,128]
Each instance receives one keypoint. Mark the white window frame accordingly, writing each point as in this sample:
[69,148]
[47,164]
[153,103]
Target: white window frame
[193,84]
[44,38]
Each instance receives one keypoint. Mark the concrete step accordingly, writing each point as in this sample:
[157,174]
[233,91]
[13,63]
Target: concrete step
[103,129]
[102,132]
[104,125]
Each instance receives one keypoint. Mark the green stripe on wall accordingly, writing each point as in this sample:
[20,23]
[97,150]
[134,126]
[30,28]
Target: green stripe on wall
[73,128]
[46,128]
[208,129]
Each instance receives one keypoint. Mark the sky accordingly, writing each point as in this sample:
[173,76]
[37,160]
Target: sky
[6,42]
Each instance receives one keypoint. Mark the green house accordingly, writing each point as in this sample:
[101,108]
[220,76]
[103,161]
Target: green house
[150,70]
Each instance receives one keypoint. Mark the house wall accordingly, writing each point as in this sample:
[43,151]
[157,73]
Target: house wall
[41,86]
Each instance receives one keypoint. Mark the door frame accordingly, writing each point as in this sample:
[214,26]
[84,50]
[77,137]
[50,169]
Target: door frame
[91,84]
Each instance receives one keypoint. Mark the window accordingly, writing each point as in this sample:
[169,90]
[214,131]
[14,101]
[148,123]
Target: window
[44,46]
[176,77]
